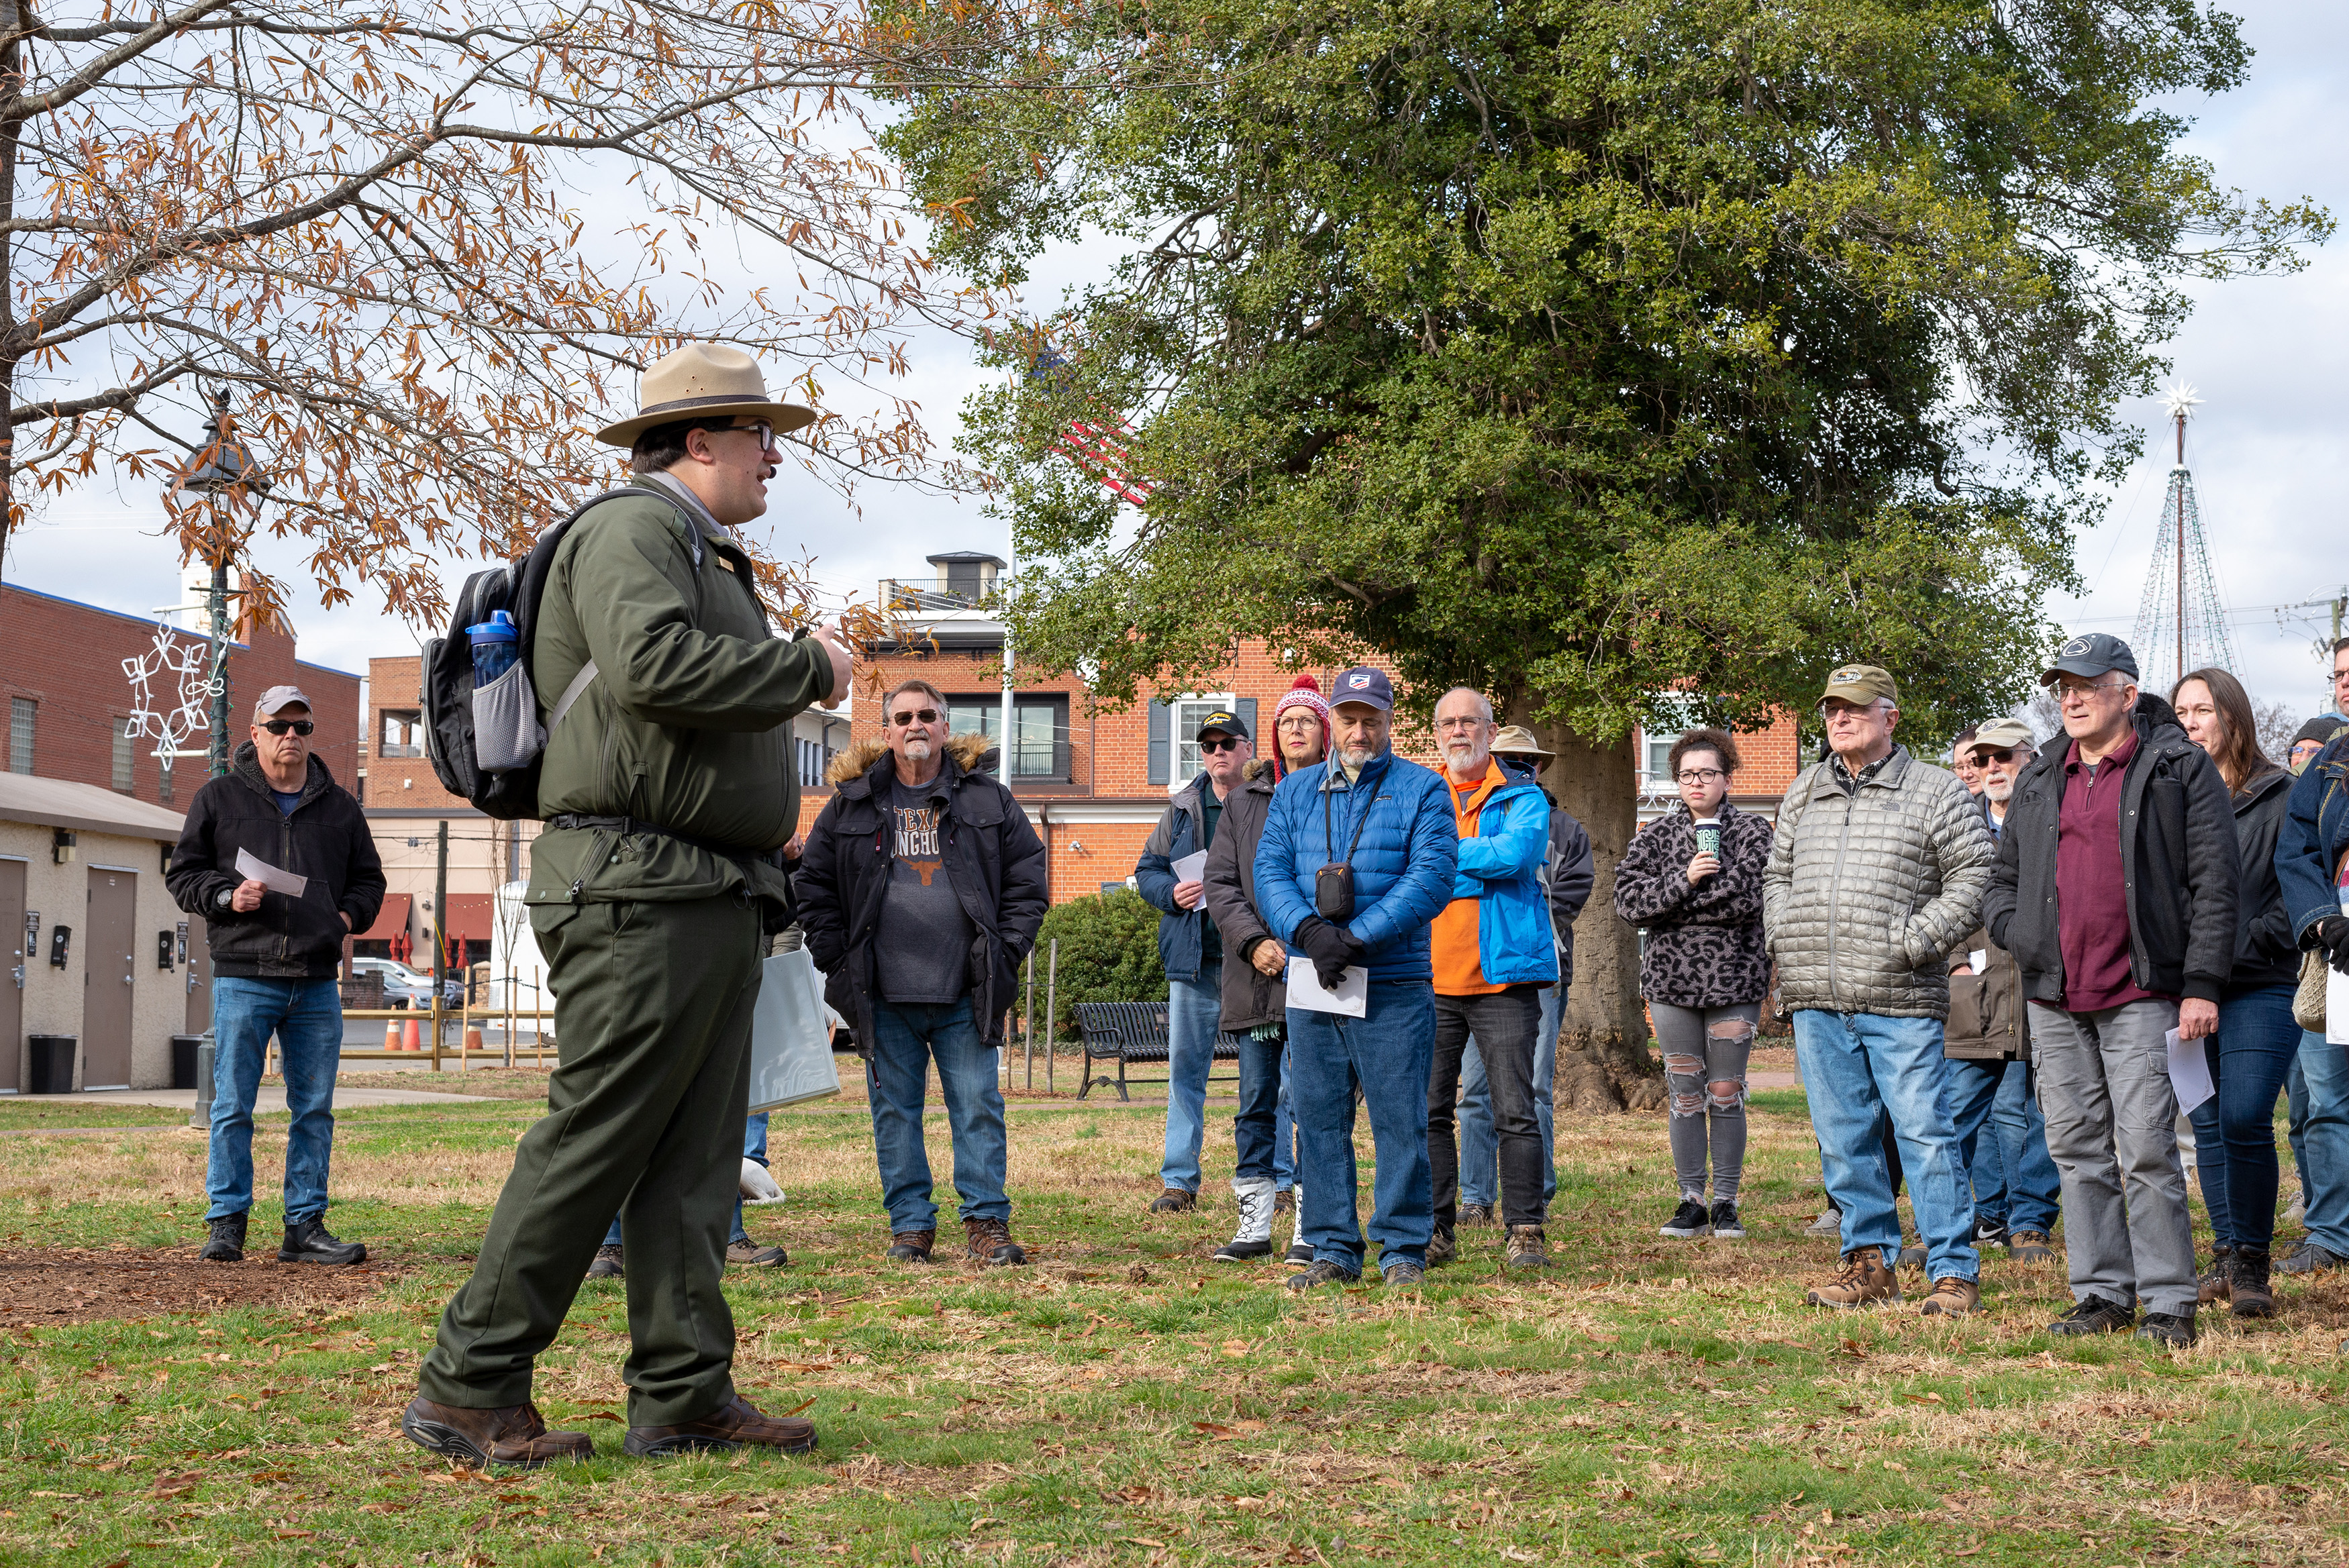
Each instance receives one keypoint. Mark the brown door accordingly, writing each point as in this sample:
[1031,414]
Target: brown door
[109,968]
[199,979]
[15,964]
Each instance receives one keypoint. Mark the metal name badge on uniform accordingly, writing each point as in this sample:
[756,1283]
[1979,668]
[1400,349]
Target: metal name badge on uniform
[791,1036]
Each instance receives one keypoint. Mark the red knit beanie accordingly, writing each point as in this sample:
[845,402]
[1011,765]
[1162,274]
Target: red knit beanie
[1305,693]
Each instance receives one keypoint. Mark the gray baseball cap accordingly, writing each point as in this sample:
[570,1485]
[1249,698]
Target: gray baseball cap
[2097,654]
[279,697]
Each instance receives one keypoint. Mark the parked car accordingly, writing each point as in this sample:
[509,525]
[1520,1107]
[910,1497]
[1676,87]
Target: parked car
[402,987]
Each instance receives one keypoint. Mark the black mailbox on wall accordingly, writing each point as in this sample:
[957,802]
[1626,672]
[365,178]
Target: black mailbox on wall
[60,937]
[166,944]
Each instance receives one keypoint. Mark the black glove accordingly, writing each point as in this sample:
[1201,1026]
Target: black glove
[1329,948]
[2329,935]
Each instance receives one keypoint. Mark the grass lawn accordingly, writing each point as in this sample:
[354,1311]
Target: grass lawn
[1123,1400]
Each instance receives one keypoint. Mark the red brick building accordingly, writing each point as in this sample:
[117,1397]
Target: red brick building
[66,696]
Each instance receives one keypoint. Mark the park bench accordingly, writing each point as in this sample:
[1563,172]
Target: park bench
[1131,1032]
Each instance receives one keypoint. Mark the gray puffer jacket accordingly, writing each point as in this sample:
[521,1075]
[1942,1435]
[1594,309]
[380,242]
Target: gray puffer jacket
[1868,892]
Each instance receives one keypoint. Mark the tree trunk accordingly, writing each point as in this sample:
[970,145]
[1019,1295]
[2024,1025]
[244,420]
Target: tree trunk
[1603,1061]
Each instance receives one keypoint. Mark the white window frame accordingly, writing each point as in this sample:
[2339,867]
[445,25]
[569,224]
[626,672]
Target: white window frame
[1655,774]
[1183,731]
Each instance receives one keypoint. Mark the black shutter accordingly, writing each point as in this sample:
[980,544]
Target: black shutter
[1162,747]
[1245,708]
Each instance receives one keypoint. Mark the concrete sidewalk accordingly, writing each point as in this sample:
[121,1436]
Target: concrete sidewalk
[272,1098]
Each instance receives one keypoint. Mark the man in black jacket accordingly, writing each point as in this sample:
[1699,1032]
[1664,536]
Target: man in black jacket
[2114,888]
[277,946]
[921,889]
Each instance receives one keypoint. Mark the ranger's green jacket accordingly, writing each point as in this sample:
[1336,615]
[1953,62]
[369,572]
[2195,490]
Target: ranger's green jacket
[686,724]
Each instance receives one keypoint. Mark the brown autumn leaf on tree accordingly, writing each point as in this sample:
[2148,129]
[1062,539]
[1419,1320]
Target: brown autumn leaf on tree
[426,248]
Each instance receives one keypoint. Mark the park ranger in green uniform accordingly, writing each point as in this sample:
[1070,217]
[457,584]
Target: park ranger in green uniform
[668,793]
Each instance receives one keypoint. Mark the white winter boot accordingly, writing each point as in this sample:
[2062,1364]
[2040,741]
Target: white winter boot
[1300,1254]
[1254,1237]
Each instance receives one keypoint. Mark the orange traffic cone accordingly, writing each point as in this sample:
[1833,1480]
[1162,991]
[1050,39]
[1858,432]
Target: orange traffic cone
[473,1040]
[390,1034]
[415,1041]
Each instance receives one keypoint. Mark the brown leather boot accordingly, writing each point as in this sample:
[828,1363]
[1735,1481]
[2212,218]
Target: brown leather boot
[912,1247]
[2249,1293]
[1863,1281]
[508,1435]
[1952,1297]
[991,1243]
[737,1425]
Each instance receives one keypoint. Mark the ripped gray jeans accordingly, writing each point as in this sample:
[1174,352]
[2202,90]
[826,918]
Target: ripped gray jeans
[1705,1052]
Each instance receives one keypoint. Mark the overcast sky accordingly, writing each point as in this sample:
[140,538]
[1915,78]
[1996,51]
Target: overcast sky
[2267,354]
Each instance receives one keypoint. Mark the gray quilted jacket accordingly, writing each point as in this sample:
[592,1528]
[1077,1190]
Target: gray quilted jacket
[1868,893]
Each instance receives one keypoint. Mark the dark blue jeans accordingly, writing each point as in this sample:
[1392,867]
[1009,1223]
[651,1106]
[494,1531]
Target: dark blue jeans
[1257,1127]
[907,1038]
[1387,1053]
[306,1016]
[2004,1140]
[2234,1131]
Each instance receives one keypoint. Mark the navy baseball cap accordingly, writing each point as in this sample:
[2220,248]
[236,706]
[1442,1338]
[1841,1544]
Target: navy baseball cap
[1227,721]
[2097,654]
[1366,685]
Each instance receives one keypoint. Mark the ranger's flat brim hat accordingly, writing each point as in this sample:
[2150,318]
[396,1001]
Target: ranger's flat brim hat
[710,380]
[1516,741]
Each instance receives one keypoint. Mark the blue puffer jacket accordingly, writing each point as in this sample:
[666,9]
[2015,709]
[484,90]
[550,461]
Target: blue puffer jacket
[1404,865]
[1183,933]
[1500,868]
[2314,831]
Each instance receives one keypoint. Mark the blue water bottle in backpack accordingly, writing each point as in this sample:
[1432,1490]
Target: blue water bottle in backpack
[496,646]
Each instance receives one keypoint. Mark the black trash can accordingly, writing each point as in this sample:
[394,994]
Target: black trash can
[52,1067]
[183,1061]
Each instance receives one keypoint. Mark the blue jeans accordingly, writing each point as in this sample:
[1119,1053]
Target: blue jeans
[307,1017]
[2234,1130]
[1192,1010]
[1858,1070]
[907,1038]
[2295,1100]
[1263,1134]
[1387,1053]
[2326,1069]
[2004,1140]
[754,1147]
[1480,1146]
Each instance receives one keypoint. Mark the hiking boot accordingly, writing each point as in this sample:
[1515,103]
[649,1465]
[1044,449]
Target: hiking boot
[1253,1238]
[2310,1258]
[1525,1248]
[2250,1292]
[1476,1215]
[740,1425]
[1952,1297]
[1400,1273]
[1689,1220]
[749,1254]
[1285,1200]
[1321,1271]
[225,1244]
[1174,1201]
[508,1435]
[990,1243]
[2095,1314]
[1829,1223]
[911,1246]
[605,1263]
[306,1242]
[2030,1247]
[2213,1283]
[1863,1281]
[1442,1248]
[1724,1221]
[2173,1329]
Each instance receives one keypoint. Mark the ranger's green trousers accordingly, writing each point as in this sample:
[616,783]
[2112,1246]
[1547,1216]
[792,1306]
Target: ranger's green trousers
[652,1020]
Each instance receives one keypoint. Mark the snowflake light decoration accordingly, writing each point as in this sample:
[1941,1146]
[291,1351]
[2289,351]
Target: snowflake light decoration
[197,688]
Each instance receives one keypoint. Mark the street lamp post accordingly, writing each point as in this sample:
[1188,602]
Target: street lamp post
[222,470]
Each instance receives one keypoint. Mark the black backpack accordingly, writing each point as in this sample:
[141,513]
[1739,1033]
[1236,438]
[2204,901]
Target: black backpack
[487,746]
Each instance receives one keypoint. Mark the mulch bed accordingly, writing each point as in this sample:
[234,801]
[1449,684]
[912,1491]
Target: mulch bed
[74,1285]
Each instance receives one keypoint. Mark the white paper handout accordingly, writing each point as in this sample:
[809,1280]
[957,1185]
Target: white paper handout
[2336,1007]
[791,1035]
[1351,998]
[1191,867]
[2190,1072]
[276,879]
[1979,960]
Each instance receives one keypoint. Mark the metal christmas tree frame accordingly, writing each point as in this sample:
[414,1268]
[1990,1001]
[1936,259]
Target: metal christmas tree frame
[2180,625]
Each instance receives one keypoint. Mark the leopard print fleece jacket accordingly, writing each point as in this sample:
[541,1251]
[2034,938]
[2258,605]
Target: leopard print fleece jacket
[1704,943]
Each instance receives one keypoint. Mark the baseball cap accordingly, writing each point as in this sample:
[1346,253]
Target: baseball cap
[1860,684]
[1366,685]
[2002,735]
[1227,721]
[1516,741]
[279,697]
[2098,653]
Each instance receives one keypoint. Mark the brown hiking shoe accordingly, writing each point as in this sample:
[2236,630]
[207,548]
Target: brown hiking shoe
[991,1243]
[1863,1281]
[912,1247]
[751,1255]
[1174,1201]
[2250,1294]
[1527,1248]
[738,1425]
[1952,1297]
[508,1435]
[2216,1281]
[2030,1247]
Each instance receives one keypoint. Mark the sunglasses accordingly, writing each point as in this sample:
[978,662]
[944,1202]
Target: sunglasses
[915,715]
[1228,743]
[2003,754]
[280,725]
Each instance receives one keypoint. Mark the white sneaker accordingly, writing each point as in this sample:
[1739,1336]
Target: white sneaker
[1253,1239]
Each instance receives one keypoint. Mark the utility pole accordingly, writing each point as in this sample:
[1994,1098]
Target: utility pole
[217,756]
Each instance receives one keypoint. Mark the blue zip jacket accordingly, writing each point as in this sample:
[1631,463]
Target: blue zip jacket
[1403,866]
[1181,933]
[2314,831]
[1500,868]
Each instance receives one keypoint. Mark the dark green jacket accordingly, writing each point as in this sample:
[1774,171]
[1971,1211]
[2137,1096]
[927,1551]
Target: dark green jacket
[687,723]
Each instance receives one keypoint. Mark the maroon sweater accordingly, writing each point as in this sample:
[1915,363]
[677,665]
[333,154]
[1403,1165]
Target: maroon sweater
[2091,898]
